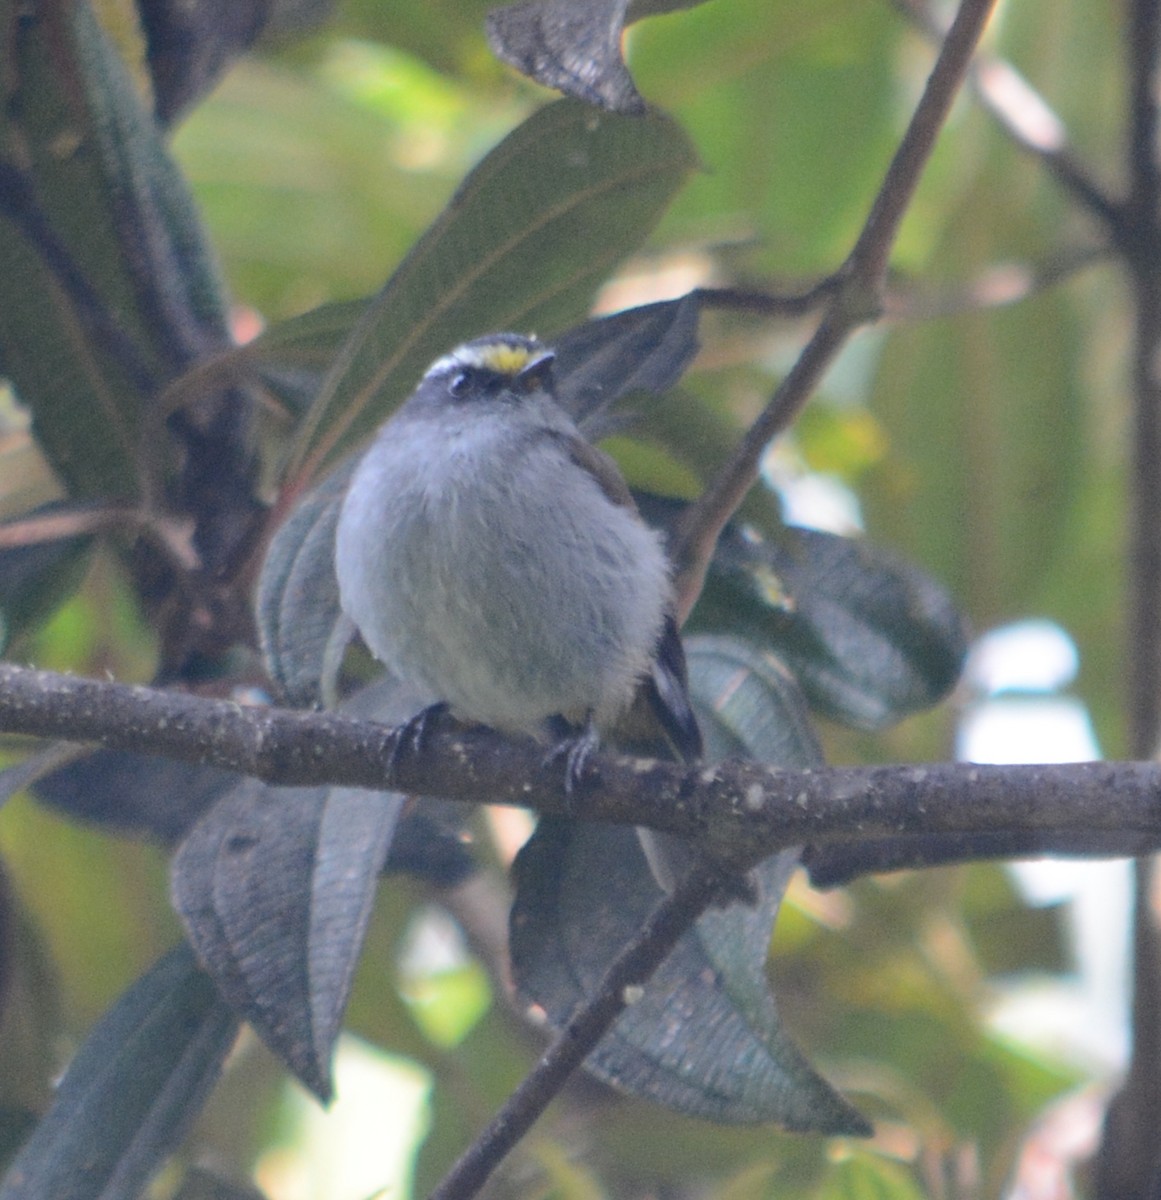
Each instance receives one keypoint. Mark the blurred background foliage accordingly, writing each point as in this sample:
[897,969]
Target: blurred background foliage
[984,443]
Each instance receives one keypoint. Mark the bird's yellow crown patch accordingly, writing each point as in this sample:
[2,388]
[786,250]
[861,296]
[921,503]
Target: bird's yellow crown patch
[505,358]
[504,355]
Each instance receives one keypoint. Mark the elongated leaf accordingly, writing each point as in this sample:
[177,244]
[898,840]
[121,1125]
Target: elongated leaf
[290,358]
[151,798]
[870,637]
[748,702]
[139,1079]
[704,1038]
[300,621]
[190,45]
[106,284]
[36,766]
[275,888]
[644,349]
[32,1022]
[522,245]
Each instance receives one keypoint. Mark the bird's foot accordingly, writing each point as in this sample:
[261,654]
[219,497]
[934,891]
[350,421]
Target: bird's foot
[412,734]
[576,747]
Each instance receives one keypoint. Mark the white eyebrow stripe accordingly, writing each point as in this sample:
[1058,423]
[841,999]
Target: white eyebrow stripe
[447,362]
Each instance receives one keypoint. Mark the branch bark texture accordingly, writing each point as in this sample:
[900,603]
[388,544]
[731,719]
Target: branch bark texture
[734,807]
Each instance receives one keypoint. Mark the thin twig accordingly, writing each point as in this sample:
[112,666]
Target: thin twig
[762,303]
[573,1044]
[857,299]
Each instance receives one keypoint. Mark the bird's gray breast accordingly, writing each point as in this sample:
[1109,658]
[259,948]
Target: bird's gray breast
[499,576]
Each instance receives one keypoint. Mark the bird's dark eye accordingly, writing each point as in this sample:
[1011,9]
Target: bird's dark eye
[461,383]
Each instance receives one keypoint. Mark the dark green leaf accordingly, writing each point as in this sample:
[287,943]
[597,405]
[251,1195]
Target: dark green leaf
[644,349]
[35,578]
[300,622]
[275,888]
[190,45]
[106,284]
[523,243]
[139,1079]
[37,766]
[749,704]
[705,1037]
[32,1019]
[133,794]
[869,637]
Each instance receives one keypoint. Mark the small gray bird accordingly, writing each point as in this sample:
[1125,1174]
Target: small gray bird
[493,557]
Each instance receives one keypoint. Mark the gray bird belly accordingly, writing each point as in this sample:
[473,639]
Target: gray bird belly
[524,606]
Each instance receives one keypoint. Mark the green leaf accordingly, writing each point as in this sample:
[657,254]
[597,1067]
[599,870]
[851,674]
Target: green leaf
[35,578]
[300,621]
[31,1020]
[106,284]
[747,702]
[705,1037]
[642,349]
[275,888]
[132,1090]
[870,638]
[191,45]
[864,1176]
[523,244]
[144,797]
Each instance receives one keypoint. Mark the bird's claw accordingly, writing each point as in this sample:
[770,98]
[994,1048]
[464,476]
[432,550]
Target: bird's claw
[413,733]
[576,747]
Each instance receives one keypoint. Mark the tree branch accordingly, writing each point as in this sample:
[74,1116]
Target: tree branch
[1128,1163]
[735,808]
